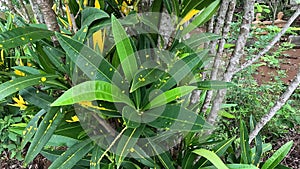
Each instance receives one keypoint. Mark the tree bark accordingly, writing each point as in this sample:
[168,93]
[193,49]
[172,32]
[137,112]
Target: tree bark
[279,103]
[234,61]
[36,11]
[49,15]
[225,14]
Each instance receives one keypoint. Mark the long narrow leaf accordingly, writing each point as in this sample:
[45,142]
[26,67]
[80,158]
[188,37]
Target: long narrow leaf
[169,96]
[212,157]
[180,119]
[126,143]
[44,133]
[21,36]
[17,84]
[92,90]
[245,147]
[182,68]
[124,49]
[89,61]
[72,155]
[204,16]
[278,156]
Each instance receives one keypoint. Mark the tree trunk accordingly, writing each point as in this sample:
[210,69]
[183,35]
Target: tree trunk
[225,14]
[36,11]
[234,61]
[50,18]
[49,15]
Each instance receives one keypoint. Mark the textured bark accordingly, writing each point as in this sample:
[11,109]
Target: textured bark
[279,103]
[36,11]
[50,18]
[219,25]
[234,61]
[223,16]
[272,43]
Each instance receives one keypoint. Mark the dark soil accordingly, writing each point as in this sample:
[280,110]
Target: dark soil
[39,162]
[289,62]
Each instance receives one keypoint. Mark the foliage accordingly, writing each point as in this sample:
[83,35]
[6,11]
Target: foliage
[128,87]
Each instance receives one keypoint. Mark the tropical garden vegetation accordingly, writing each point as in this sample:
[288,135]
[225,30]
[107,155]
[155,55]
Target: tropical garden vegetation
[144,84]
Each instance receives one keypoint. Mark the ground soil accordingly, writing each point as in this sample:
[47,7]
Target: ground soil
[290,63]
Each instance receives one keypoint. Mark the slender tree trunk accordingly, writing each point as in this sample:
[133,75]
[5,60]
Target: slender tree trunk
[50,18]
[36,11]
[279,103]
[225,14]
[234,61]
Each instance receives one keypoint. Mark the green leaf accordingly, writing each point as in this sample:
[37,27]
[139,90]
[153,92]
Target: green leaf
[182,68]
[81,34]
[219,149]
[89,15]
[234,166]
[195,41]
[29,131]
[126,143]
[164,158]
[203,17]
[96,154]
[72,155]
[59,140]
[145,77]
[44,132]
[258,143]
[189,5]
[92,90]
[124,49]
[245,147]
[213,85]
[37,98]
[20,83]
[278,156]
[52,155]
[180,119]
[227,115]
[55,56]
[28,70]
[132,117]
[168,6]
[90,61]
[212,157]
[169,96]
[129,165]
[21,36]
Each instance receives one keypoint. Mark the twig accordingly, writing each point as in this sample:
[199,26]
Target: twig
[272,43]
[279,103]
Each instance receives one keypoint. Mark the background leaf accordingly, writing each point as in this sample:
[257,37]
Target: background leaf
[22,35]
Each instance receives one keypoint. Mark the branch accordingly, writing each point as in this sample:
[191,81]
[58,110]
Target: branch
[272,43]
[238,52]
[279,103]
[226,28]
